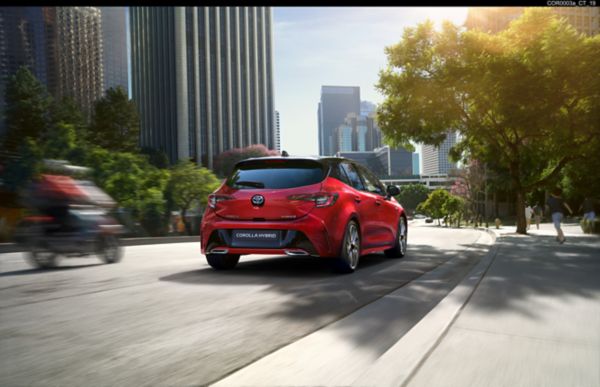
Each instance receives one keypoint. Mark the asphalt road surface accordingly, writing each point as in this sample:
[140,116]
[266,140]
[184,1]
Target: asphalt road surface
[162,316]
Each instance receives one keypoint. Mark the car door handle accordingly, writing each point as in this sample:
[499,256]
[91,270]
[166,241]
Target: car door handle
[357,199]
[377,202]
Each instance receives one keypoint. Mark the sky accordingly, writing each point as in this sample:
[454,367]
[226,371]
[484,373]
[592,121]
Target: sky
[336,46]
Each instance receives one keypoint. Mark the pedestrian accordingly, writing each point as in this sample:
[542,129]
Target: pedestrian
[528,214]
[557,205]
[588,209]
[537,215]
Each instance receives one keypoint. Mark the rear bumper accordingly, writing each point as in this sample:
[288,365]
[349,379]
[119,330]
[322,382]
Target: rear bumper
[306,236]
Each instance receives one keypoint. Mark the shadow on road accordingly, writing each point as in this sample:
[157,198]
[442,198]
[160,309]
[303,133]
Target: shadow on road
[34,271]
[537,266]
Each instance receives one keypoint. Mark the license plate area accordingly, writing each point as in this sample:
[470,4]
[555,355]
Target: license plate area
[256,238]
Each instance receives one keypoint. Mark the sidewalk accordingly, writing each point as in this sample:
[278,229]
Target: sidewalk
[527,315]
[534,319]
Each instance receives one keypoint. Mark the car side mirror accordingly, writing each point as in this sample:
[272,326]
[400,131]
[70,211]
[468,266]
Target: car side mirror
[392,190]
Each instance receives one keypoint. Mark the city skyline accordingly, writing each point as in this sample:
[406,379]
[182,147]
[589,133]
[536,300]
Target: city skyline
[340,46]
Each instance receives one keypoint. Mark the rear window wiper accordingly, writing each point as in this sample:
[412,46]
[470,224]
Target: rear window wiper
[255,184]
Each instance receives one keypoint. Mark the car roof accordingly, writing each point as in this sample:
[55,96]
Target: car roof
[324,160]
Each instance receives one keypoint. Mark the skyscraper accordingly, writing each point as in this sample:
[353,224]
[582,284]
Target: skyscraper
[61,46]
[357,133]
[114,40]
[22,43]
[495,19]
[277,131]
[336,102]
[75,54]
[202,78]
[435,159]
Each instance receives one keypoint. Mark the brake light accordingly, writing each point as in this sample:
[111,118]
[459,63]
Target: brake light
[213,199]
[321,199]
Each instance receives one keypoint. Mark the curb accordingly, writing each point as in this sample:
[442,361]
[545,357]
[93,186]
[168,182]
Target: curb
[15,248]
[415,347]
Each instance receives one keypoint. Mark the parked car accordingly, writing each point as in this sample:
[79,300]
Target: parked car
[329,207]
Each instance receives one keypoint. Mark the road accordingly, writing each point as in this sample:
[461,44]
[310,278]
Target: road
[163,317]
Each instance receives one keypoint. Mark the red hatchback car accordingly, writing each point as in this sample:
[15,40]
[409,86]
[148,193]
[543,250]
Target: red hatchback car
[322,207]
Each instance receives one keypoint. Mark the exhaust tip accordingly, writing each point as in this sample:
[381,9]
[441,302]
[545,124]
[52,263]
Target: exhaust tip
[218,251]
[296,253]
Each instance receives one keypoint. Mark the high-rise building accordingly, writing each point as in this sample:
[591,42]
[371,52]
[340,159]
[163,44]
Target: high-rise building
[495,19]
[385,162]
[22,43]
[435,159]
[277,131]
[336,102]
[415,164]
[367,108]
[61,46]
[75,54]
[202,78]
[357,133]
[114,40]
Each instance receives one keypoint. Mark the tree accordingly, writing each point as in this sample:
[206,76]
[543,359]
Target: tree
[20,171]
[411,195]
[470,185]
[115,124]
[66,111]
[190,186]
[60,140]
[225,161]
[434,205]
[454,208]
[27,105]
[526,100]
[156,157]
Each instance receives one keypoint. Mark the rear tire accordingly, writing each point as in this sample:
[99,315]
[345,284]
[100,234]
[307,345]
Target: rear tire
[399,249]
[42,258]
[350,254]
[109,249]
[223,261]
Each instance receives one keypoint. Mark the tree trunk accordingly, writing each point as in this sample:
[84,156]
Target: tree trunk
[521,222]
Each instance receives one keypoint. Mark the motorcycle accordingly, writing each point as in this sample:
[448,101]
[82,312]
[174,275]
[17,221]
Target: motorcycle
[69,218]
[81,231]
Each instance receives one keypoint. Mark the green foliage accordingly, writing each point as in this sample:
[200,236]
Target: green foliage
[434,205]
[27,104]
[115,124]
[156,157]
[152,210]
[411,195]
[60,141]
[454,208]
[67,112]
[526,100]
[189,187]
[442,204]
[19,172]
[225,161]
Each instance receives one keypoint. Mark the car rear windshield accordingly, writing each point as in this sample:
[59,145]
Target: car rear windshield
[276,174]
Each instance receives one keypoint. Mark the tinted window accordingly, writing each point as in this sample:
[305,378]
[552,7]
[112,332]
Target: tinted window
[371,181]
[353,176]
[338,173]
[276,174]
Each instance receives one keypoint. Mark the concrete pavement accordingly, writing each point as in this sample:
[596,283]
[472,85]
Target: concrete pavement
[527,315]
[534,320]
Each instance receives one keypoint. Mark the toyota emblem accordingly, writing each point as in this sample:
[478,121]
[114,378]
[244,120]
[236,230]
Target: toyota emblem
[258,200]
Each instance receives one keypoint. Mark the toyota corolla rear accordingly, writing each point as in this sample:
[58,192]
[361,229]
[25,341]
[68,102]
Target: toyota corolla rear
[273,206]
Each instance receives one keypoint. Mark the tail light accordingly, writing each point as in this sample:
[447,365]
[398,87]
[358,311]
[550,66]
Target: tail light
[214,199]
[321,199]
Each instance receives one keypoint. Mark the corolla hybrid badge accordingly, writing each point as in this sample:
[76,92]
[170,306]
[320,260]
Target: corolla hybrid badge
[258,200]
